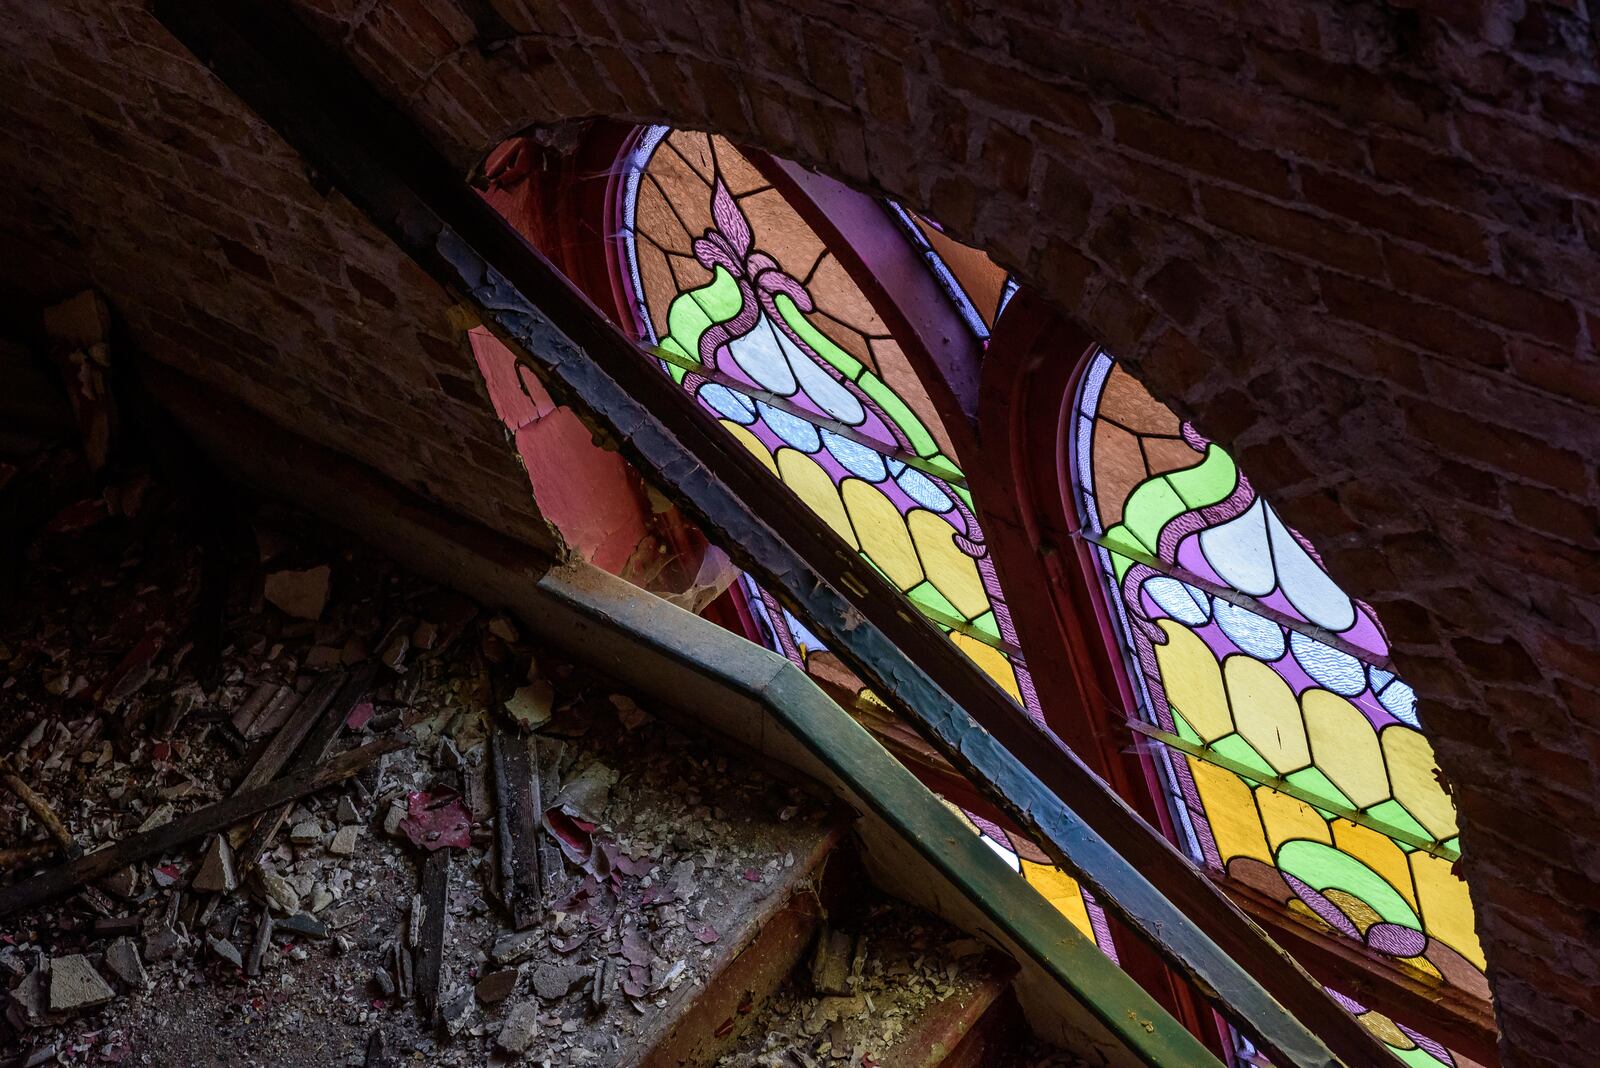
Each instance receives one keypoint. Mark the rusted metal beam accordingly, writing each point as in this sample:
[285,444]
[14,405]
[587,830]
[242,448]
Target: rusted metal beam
[378,158]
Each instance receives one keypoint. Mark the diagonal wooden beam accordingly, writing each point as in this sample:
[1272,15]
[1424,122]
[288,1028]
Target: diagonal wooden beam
[377,157]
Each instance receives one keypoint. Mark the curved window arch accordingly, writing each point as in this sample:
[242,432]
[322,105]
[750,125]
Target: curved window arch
[748,307]
[749,310]
[1293,756]
[773,302]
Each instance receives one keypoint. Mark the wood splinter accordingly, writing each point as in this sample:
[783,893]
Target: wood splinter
[185,829]
[41,810]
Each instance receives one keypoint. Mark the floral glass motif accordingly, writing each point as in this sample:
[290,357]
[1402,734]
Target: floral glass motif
[749,310]
[1293,756]
[752,313]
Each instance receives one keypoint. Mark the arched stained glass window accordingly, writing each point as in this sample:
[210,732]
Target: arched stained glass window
[748,309]
[1293,754]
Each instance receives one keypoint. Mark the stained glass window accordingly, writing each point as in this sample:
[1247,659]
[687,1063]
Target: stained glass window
[749,310]
[1293,754]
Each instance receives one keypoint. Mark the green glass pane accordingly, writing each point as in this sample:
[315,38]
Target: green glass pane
[721,299]
[922,442]
[1235,748]
[1150,508]
[1317,786]
[926,596]
[1392,813]
[1209,482]
[820,343]
[1417,1058]
[686,322]
[1186,732]
[1322,867]
[987,627]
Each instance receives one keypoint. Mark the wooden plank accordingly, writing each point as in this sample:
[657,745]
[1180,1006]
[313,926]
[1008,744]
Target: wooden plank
[292,733]
[319,741]
[547,754]
[433,892]
[185,829]
[516,825]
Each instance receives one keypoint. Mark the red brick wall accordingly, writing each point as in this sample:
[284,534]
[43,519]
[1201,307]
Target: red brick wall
[1358,242]
[126,165]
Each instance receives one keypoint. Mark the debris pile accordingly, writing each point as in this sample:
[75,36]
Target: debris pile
[870,981]
[390,828]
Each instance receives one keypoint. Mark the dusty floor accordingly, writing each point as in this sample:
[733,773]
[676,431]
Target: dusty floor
[104,720]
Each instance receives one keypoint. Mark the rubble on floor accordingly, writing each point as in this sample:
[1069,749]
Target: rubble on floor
[369,922]
[870,981]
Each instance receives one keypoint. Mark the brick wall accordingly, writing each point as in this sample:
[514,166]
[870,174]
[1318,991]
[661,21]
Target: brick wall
[1360,242]
[127,166]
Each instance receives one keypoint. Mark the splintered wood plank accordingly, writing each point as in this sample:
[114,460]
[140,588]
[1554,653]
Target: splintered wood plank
[293,732]
[434,885]
[185,829]
[319,741]
[547,753]
[516,825]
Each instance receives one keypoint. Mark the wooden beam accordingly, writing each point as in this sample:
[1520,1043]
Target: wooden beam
[516,824]
[433,891]
[185,829]
[378,158]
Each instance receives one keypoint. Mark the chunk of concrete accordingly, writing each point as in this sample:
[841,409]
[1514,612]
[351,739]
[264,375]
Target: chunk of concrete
[123,960]
[302,594]
[344,841]
[74,985]
[217,874]
[520,1029]
[496,986]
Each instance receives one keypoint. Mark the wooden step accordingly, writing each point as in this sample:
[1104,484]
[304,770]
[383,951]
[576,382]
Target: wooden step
[758,951]
[917,994]
[972,1028]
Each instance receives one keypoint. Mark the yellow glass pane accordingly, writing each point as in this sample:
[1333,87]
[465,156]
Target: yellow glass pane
[991,661]
[1414,773]
[952,571]
[1266,713]
[1377,852]
[1345,747]
[1287,818]
[814,486]
[1446,908]
[1234,822]
[883,533]
[1193,681]
[751,442]
[1062,891]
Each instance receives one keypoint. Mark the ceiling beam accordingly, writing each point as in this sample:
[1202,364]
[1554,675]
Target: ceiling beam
[380,160]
